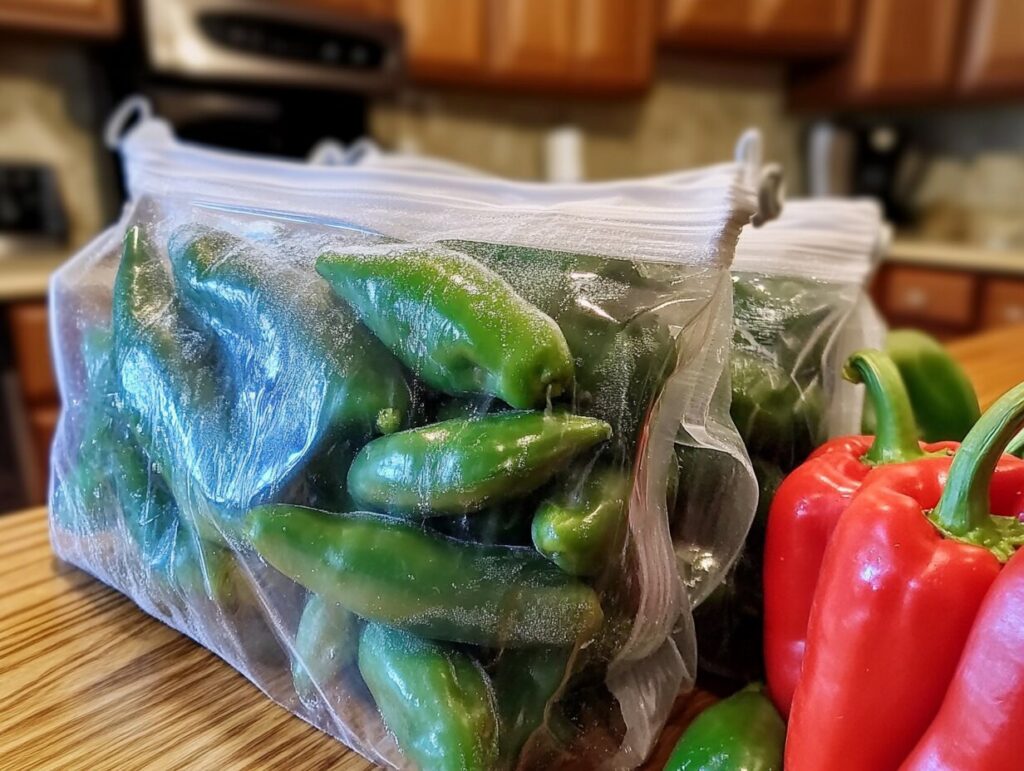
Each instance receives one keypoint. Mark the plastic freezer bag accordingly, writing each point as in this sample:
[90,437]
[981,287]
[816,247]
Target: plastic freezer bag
[800,310]
[399,447]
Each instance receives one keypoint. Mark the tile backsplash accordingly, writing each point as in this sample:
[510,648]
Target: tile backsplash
[691,116]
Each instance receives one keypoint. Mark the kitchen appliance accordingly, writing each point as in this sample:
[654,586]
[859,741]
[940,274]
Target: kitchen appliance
[880,160]
[264,76]
[32,214]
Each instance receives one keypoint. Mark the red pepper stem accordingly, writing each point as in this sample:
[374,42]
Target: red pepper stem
[964,505]
[895,428]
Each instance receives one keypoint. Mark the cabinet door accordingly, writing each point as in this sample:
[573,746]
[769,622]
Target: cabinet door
[904,51]
[531,39]
[444,38]
[100,18]
[810,25]
[778,27]
[906,47]
[994,54]
[613,42]
[706,23]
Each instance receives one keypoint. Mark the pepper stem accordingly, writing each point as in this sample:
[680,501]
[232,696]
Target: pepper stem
[964,505]
[895,428]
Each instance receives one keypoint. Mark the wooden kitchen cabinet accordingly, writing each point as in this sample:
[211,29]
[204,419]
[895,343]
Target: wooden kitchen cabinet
[787,28]
[93,18]
[568,45]
[1002,302]
[993,60]
[37,399]
[531,38]
[903,51]
[445,39]
[928,297]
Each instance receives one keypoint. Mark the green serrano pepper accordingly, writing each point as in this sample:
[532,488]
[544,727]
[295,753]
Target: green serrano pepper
[580,527]
[525,683]
[463,465]
[741,733]
[230,397]
[397,573]
[326,642]
[437,701]
[454,322]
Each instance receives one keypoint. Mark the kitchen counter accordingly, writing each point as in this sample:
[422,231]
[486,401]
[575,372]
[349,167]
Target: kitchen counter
[28,278]
[87,680]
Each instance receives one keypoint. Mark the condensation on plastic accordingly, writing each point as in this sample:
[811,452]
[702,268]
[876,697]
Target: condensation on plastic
[671,237]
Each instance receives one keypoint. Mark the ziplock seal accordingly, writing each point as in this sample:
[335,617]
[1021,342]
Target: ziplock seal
[643,220]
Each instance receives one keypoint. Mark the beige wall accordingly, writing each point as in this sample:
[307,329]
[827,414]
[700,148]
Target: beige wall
[691,116]
[38,124]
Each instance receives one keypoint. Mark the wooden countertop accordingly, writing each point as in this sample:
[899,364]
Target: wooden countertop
[87,680]
[949,256]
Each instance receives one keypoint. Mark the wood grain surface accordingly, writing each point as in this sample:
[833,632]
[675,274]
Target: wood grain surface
[89,681]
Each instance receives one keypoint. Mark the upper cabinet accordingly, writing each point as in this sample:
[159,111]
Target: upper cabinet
[589,45]
[92,18]
[787,28]
[444,39]
[993,59]
[904,51]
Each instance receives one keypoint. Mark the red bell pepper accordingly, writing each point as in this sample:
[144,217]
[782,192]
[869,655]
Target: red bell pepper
[980,725]
[807,507]
[904,574]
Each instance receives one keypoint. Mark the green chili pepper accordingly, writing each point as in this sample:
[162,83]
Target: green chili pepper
[506,524]
[243,295]
[172,553]
[326,642]
[525,683]
[777,420]
[397,573]
[581,527]
[464,465]
[83,495]
[437,701]
[454,322]
[231,415]
[945,405]
[741,733]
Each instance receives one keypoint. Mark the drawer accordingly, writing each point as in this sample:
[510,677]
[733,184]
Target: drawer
[30,338]
[1002,302]
[939,296]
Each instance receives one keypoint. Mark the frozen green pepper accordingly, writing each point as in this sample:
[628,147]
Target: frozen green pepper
[525,683]
[397,573]
[83,493]
[250,301]
[436,700]
[454,322]
[581,527]
[741,733]
[231,399]
[326,642]
[777,419]
[462,465]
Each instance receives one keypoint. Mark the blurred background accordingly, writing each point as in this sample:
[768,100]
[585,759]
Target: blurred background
[919,103]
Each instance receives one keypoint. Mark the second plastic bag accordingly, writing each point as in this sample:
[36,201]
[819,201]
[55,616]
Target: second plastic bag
[398,446]
[800,309]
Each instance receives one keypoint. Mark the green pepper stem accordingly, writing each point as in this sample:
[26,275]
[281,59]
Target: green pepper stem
[1016,445]
[895,428]
[964,505]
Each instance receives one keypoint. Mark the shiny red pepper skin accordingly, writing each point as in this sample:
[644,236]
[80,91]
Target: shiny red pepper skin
[894,605]
[980,726]
[803,515]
